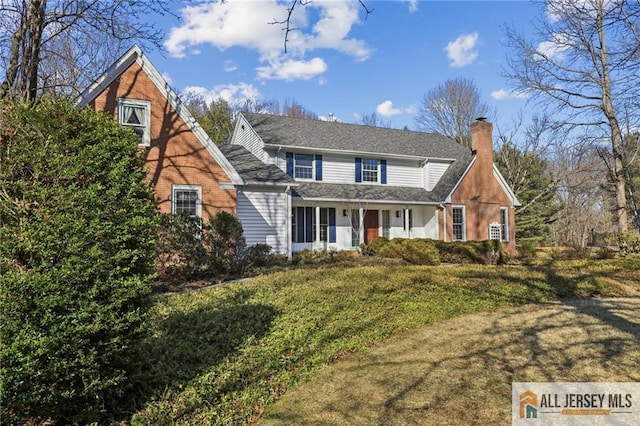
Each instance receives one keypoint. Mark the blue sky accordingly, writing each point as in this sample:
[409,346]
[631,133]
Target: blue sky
[338,62]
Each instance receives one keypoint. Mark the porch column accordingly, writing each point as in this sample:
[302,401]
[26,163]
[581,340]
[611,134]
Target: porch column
[406,222]
[289,237]
[361,226]
[317,241]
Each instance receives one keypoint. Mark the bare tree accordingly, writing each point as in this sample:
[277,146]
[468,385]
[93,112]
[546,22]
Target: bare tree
[374,120]
[582,196]
[450,109]
[582,68]
[59,45]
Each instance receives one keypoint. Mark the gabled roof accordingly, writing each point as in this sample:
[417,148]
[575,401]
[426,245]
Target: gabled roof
[121,65]
[252,170]
[302,133]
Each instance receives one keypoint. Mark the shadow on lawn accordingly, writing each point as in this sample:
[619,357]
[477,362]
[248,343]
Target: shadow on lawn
[460,371]
[190,343]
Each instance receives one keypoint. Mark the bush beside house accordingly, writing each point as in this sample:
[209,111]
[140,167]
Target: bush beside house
[77,246]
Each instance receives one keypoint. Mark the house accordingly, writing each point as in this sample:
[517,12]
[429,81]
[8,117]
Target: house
[354,183]
[307,184]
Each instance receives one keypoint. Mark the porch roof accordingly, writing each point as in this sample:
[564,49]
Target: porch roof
[360,193]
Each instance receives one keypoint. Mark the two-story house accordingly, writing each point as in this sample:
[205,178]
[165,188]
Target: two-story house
[308,184]
[353,183]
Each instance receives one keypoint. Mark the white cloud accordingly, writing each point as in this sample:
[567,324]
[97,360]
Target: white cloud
[508,94]
[461,51]
[386,109]
[232,93]
[554,49]
[321,24]
[230,66]
[291,69]
[413,5]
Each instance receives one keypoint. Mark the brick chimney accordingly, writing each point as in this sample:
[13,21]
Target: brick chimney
[482,146]
[482,140]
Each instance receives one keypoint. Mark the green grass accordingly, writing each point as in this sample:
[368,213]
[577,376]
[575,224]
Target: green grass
[221,355]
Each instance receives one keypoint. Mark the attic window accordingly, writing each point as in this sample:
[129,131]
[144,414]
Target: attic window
[136,114]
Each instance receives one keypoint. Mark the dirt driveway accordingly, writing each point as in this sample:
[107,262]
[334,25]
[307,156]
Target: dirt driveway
[459,372]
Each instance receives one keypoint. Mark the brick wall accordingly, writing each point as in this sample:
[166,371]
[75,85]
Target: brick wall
[175,156]
[480,192]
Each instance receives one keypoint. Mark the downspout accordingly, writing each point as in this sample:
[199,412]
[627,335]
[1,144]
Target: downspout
[444,222]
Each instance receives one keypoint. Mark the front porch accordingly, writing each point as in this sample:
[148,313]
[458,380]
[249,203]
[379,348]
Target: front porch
[344,226]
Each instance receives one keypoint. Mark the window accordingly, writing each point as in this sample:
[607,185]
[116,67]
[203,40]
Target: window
[355,228]
[303,224]
[495,231]
[136,114]
[303,166]
[324,224]
[186,200]
[458,223]
[386,223]
[370,170]
[504,223]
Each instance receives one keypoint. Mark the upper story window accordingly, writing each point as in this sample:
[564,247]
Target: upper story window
[458,226]
[303,166]
[370,170]
[136,114]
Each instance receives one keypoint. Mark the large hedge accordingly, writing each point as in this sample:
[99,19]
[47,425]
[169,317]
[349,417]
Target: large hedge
[77,239]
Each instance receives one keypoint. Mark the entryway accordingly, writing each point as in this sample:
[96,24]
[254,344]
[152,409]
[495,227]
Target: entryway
[370,225]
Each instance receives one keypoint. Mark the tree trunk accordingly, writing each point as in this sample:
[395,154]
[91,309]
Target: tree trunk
[617,147]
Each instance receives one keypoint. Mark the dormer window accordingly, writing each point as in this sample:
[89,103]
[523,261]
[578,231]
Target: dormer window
[136,114]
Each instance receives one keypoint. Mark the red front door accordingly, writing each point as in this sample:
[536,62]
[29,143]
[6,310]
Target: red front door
[370,225]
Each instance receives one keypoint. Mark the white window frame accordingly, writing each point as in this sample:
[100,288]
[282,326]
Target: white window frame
[464,223]
[385,222]
[363,170]
[504,226]
[296,166]
[137,103]
[197,188]
[495,231]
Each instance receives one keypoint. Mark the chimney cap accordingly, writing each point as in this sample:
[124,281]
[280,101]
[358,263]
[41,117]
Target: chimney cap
[481,119]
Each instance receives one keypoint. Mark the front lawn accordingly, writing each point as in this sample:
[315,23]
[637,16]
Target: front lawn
[221,355]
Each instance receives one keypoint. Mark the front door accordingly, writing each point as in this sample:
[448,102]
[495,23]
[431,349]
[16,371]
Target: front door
[370,225]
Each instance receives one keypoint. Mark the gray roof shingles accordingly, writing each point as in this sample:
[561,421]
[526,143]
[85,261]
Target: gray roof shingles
[306,133]
[251,169]
[315,134]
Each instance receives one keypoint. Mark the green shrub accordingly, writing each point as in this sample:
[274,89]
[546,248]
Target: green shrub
[415,251]
[372,248]
[77,246]
[420,252]
[224,243]
[180,250]
[259,255]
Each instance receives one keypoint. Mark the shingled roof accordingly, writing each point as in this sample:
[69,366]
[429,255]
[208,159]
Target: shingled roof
[303,133]
[324,135]
[252,170]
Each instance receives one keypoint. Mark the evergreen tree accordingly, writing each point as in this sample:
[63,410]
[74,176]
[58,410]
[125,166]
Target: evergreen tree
[77,242]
